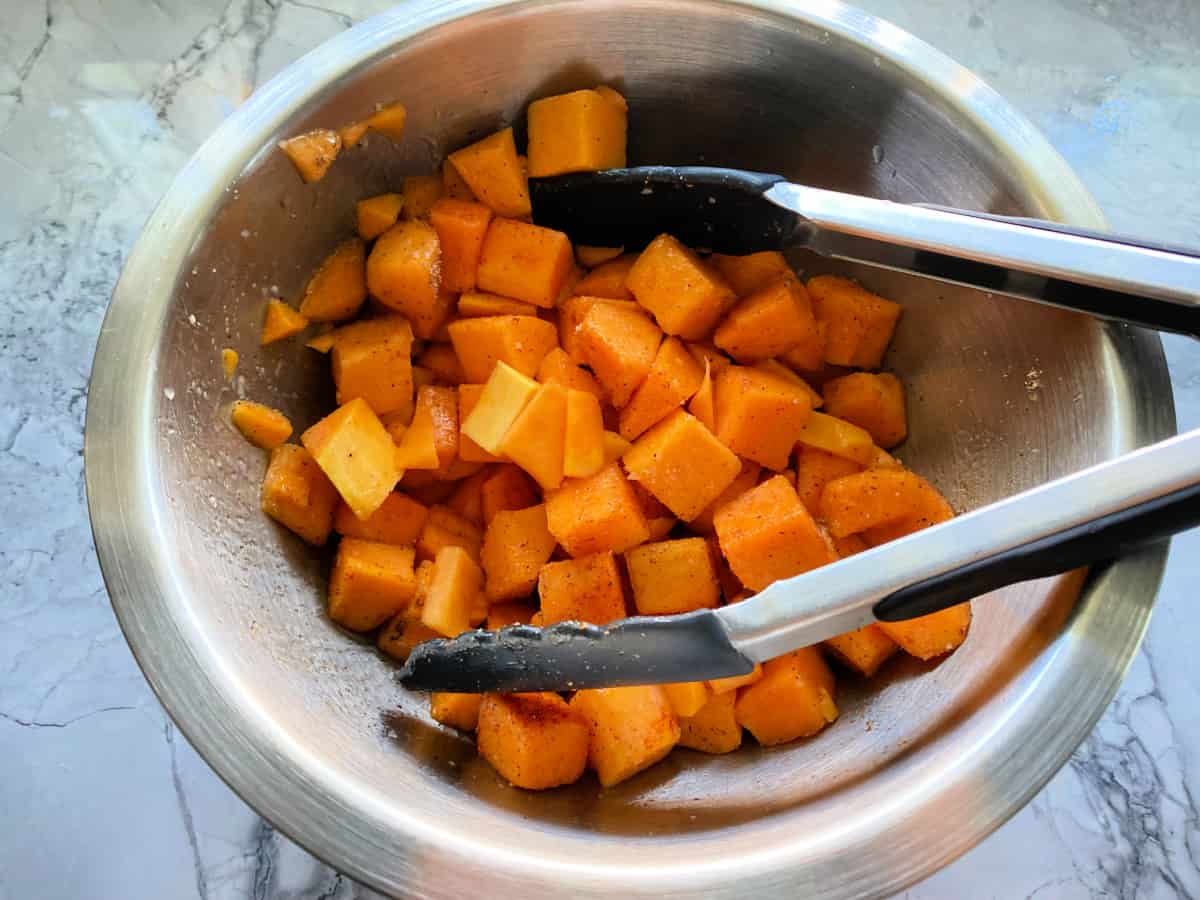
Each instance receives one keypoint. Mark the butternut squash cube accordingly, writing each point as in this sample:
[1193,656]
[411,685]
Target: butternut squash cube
[759,416]
[505,394]
[445,528]
[261,425]
[744,481]
[404,274]
[375,215]
[571,314]
[583,131]
[591,257]
[608,279]
[339,287]
[620,345]
[298,495]
[930,508]
[927,637]
[686,697]
[873,402]
[849,545]
[671,577]
[491,169]
[313,153]
[864,649]
[476,305]
[372,360]
[416,445]
[454,592]
[389,120]
[682,464]
[370,584]
[747,274]
[468,450]
[768,322]
[398,520]
[615,447]
[702,403]
[583,445]
[808,356]
[793,699]
[733,682]
[229,362]
[557,366]
[586,589]
[685,295]
[839,437]
[714,728]
[815,468]
[534,741]
[631,729]
[453,184]
[353,133]
[783,373]
[591,515]
[524,261]
[467,499]
[854,503]
[443,363]
[858,324]
[766,534]
[401,634]
[673,378]
[280,321]
[459,711]
[535,440]
[420,193]
[516,545]
[461,226]
[357,454]
[501,615]
[520,341]
[506,488]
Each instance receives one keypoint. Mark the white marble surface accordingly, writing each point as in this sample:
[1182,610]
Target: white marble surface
[102,100]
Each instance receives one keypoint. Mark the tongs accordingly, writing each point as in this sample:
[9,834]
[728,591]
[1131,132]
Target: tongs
[1095,515]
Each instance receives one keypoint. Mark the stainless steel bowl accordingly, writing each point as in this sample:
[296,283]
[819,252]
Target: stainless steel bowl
[224,610]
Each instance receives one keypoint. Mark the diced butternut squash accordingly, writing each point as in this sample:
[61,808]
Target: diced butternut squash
[686,697]
[839,437]
[389,120]
[280,321]
[534,741]
[758,415]
[322,343]
[357,454]
[491,169]
[672,380]
[686,296]
[591,257]
[461,226]
[927,637]
[467,499]
[298,495]
[707,354]
[849,545]
[682,464]
[416,444]
[524,261]
[501,615]
[583,444]
[313,153]
[631,728]
[453,184]
[766,534]
[930,508]
[714,727]
[476,305]
[583,131]
[571,314]
[353,133]
[672,577]
[770,321]
[372,360]
[504,396]
[445,528]
[339,287]
[744,481]
[864,650]
[854,503]
[516,545]
[873,402]
[733,682]
[557,366]
[420,193]
[783,373]
[375,215]
[747,274]
[398,520]
[587,589]
[520,341]
[591,515]
[229,362]
[404,274]
[459,711]
[371,583]
[401,634]
[456,589]
[620,345]
[468,450]
[816,468]
[261,425]
[858,324]
[615,446]
[507,487]
[793,699]
[535,440]
[701,405]
[608,279]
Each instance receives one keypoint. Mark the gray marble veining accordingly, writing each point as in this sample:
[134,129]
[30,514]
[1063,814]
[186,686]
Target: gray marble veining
[101,101]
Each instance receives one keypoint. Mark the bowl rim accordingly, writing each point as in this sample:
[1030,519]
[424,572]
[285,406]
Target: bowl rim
[288,786]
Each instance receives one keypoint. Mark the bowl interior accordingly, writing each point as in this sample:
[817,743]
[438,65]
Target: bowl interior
[1002,396]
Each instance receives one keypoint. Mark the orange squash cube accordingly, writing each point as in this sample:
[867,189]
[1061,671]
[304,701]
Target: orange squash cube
[854,503]
[280,321]
[229,362]
[766,534]
[401,634]
[501,615]
[768,322]
[372,360]
[686,697]
[858,324]
[375,215]
[930,508]
[476,305]
[671,577]
[591,257]
[445,528]
[872,402]
[591,515]
[459,711]
[467,499]
[420,192]
[516,545]
[389,120]
[461,226]
[524,261]
[262,426]
[759,416]
[501,401]
[370,583]
[673,378]
[493,172]
[864,650]
[707,354]
[608,279]
[455,591]
[927,637]
[339,287]
[849,545]
[442,362]
[398,520]
[733,682]
[839,437]
[520,341]
[571,314]
[416,444]
[357,454]
[587,589]
[454,185]
[783,373]
[714,728]
[506,488]
[744,481]
[583,444]
[685,295]
[815,469]
[631,728]
[535,440]
[682,464]
[793,699]
[468,450]
[583,131]
[404,274]
[313,153]
[298,495]
[747,274]
[557,366]
[620,345]
[808,356]
[534,741]
[615,447]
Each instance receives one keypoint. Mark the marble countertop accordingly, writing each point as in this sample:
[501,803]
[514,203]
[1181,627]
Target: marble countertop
[101,101]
